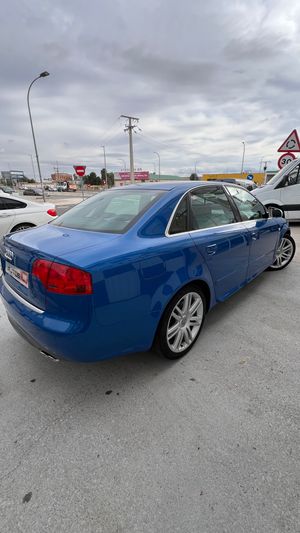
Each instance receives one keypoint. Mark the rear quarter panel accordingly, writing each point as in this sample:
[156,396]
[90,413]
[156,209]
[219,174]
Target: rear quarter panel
[132,290]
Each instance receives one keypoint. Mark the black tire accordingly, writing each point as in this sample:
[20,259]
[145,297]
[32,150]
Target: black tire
[20,227]
[191,328]
[290,246]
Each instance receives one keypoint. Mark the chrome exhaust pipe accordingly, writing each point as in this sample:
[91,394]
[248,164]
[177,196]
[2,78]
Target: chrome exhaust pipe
[49,356]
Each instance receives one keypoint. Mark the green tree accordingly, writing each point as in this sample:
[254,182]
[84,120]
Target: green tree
[110,179]
[194,177]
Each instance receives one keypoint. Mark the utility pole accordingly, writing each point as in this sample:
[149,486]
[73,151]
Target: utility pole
[243,158]
[30,155]
[105,171]
[129,127]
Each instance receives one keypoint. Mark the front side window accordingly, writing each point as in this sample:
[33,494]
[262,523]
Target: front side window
[210,207]
[249,207]
[109,212]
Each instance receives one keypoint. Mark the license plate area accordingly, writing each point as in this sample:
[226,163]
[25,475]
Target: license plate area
[17,273]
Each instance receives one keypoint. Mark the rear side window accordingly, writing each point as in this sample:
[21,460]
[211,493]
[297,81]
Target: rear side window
[180,219]
[109,212]
[10,203]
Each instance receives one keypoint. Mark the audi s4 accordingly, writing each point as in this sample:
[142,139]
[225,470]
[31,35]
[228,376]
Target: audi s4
[137,268]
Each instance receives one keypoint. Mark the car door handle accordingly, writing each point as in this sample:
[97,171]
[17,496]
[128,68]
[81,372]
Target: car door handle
[4,215]
[254,235]
[211,249]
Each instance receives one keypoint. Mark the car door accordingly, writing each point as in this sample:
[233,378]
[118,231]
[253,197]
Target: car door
[289,189]
[13,213]
[221,239]
[264,232]
[7,216]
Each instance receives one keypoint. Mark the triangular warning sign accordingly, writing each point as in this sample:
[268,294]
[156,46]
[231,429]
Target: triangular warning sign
[291,144]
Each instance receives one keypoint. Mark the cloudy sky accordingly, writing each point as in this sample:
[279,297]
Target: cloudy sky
[201,77]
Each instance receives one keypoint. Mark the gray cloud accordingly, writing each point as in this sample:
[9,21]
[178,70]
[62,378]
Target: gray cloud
[202,78]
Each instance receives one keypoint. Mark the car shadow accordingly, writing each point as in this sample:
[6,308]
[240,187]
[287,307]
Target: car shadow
[118,374]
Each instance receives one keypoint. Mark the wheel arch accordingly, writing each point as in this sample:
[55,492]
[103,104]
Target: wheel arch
[28,224]
[203,285]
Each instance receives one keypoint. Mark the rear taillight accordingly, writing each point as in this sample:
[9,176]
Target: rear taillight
[62,279]
[52,212]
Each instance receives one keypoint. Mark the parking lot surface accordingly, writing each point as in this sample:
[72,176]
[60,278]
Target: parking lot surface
[207,444]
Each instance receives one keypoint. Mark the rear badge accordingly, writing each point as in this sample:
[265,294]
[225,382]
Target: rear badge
[9,254]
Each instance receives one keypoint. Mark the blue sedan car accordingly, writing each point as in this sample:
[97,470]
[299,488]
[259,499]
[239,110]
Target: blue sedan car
[138,267]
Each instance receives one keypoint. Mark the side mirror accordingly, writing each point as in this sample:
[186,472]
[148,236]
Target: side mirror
[275,212]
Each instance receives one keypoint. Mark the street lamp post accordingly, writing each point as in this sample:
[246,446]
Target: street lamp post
[105,171]
[243,158]
[123,161]
[42,75]
[158,155]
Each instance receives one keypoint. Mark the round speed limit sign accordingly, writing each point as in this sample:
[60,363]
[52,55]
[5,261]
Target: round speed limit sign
[285,159]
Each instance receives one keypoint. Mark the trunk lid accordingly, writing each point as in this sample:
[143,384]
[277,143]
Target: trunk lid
[19,251]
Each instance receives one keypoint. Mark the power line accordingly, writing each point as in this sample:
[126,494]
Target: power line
[113,127]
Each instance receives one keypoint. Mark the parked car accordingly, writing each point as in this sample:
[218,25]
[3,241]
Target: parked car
[283,191]
[33,192]
[7,190]
[250,185]
[135,268]
[17,214]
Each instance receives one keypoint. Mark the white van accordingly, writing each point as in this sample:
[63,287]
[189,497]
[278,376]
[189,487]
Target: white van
[283,191]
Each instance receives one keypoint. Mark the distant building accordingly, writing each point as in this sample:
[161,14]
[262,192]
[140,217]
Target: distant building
[141,176]
[61,177]
[9,175]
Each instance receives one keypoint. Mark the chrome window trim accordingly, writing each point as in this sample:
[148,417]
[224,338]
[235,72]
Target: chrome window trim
[20,299]
[205,229]
[170,235]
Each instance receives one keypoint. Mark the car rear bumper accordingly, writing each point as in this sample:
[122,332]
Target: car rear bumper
[56,337]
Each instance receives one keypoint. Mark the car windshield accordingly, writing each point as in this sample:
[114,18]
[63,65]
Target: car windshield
[109,212]
[281,173]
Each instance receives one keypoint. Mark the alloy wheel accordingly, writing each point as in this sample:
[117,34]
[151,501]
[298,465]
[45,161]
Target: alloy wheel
[185,322]
[284,253]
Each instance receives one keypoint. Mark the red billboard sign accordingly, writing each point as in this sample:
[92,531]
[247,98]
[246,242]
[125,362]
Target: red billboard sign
[138,175]
[79,169]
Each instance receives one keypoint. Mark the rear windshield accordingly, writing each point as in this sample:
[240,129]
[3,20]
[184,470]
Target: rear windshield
[109,212]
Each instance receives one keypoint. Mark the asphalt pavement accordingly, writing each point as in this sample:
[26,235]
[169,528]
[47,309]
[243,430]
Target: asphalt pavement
[207,444]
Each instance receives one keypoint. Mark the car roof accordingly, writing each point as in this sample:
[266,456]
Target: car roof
[13,197]
[169,186]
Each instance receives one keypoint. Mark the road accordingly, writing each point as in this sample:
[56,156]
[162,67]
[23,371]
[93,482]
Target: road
[207,444]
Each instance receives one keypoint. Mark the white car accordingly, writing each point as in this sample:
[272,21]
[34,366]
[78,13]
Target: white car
[283,191]
[18,213]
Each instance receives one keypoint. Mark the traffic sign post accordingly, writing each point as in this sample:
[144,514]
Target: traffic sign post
[80,171]
[291,143]
[285,159]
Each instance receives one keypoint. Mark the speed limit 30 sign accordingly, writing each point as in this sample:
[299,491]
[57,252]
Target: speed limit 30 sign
[285,159]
